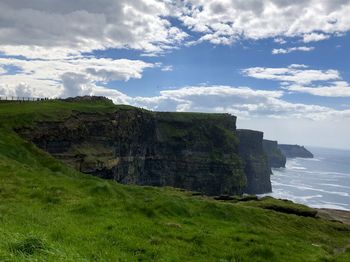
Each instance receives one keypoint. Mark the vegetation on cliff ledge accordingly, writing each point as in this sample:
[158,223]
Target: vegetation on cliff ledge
[49,212]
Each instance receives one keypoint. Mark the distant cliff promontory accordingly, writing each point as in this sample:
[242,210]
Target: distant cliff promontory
[277,154]
[292,151]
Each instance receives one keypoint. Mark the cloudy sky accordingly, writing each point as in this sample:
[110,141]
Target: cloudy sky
[281,66]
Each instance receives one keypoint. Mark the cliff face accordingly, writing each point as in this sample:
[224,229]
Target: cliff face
[274,155]
[292,151]
[192,151]
[256,164]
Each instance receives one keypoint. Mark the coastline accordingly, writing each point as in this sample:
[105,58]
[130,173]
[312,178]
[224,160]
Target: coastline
[337,215]
[321,183]
[330,214]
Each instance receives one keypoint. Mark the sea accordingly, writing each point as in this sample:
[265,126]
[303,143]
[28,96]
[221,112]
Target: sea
[320,182]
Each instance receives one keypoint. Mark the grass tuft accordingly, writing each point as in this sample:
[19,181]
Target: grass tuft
[28,246]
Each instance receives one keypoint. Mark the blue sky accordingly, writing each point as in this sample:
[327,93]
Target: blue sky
[221,65]
[281,66]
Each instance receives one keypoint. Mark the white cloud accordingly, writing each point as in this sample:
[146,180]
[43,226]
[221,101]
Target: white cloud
[54,37]
[58,29]
[76,85]
[314,37]
[280,41]
[68,76]
[292,49]
[167,68]
[241,101]
[293,73]
[226,21]
[335,89]
[301,79]
[21,90]
[298,66]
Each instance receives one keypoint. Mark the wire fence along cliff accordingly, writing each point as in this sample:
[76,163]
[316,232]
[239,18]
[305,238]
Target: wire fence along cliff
[9,99]
[23,99]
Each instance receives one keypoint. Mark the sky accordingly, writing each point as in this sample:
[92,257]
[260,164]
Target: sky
[280,66]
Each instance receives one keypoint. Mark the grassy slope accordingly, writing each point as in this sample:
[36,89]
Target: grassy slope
[49,212]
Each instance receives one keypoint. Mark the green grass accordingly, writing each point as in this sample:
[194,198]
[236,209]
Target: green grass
[14,114]
[287,207]
[49,212]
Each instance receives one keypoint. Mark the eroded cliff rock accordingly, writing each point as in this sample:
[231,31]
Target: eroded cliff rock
[275,157]
[192,151]
[256,164]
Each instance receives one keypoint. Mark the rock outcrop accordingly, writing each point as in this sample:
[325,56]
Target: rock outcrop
[292,151]
[274,155]
[186,150]
[255,161]
[88,98]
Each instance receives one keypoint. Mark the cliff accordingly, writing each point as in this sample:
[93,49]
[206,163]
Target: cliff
[292,151]
[256,164]
[193,151]
[275,157]
[50,212]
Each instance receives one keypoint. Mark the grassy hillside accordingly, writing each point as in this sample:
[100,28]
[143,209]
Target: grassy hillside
[49,212]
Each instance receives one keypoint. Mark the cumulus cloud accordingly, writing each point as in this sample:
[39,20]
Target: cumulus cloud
[226,21]
[282,51]
[60,33]
[314,37]
[301,79]
[244,102]
[214,98]
[294,73]
[63,28]
[76,85]
[79,85]
[280,41]
[334,89]
[50,43]
[68,77]
[20,91]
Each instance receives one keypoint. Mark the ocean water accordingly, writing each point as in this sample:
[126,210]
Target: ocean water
[321,182]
